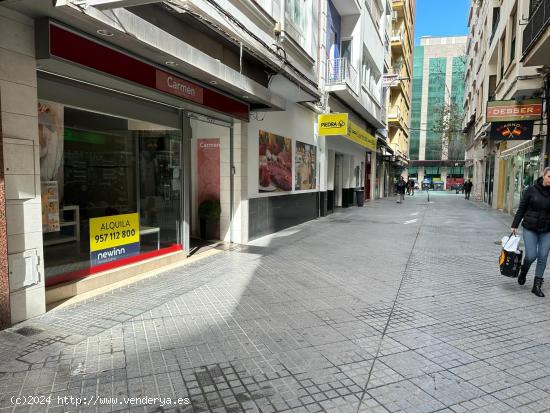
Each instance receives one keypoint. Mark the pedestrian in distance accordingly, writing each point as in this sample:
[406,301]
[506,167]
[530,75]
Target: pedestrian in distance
[467,189]
[401,187]
[410,186]
[534,211]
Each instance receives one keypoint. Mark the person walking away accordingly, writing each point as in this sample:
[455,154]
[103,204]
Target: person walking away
[467,189]
[401,186]
[534,211]
[410,186]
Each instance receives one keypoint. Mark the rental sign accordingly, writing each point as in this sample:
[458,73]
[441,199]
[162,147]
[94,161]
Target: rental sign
[113,237]
[511,110]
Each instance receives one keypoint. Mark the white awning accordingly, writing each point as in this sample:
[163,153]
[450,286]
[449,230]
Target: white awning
[520,149]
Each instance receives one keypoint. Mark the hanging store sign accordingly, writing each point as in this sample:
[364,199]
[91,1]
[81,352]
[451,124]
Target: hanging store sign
[332,124]
[512,131]
[361,137]
[113,237]
[388,80]
[511,110]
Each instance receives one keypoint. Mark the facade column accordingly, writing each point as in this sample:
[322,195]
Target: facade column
[21,169]
[5,316]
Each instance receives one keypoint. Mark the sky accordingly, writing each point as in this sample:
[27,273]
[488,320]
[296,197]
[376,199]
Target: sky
[441,18]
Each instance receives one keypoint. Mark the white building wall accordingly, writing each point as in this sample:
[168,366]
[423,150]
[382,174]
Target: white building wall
[296,123]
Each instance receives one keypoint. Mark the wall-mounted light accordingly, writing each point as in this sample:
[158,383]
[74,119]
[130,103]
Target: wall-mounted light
[105,32]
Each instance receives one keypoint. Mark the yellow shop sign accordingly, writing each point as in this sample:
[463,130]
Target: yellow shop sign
[333,124]
[361,137]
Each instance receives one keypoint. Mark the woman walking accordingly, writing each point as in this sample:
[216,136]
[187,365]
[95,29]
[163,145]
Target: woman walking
[534,210]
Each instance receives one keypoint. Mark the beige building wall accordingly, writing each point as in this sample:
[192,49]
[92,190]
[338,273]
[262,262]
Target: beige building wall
[399,99]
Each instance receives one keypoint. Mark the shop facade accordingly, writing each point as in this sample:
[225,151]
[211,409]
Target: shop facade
[110,183]
[349,163]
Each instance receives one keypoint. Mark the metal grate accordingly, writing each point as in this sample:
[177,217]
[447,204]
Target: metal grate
[340,71]
[538,21]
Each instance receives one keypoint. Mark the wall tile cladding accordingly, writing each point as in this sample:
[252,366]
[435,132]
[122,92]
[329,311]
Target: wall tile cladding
[275,213]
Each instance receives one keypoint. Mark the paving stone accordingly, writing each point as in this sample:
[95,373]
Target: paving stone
[354,312]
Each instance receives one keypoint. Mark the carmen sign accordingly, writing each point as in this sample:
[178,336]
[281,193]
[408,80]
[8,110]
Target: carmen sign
[511,110]
[179,87]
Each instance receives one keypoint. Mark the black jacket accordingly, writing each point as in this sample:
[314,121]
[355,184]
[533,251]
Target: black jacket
[534,208]
[400,186]
[468,186]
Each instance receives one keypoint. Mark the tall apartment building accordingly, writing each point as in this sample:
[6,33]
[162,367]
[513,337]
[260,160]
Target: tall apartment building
[500,165]
[354,66]
[122,121]
[438,81]
[400,90]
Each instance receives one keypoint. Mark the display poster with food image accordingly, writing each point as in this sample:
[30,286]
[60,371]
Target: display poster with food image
[50,206]
[275,162]
[306,166]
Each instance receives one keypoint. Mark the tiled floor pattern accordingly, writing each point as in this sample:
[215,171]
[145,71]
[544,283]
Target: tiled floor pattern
[388,308]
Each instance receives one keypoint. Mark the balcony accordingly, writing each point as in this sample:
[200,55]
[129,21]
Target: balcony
[397,39]
[398,4]
[536,37]
[341,72]
[395,118]
[343,81]
[347,7]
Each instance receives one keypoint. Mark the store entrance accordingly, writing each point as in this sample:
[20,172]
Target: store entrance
[111,190]
[338,179]
[211,187]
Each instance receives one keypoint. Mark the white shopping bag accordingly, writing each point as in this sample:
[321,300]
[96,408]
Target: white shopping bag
[511,243]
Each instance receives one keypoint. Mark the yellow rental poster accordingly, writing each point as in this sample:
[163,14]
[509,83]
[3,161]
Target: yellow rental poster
[113,237]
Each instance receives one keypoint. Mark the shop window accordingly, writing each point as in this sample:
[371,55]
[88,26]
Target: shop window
[111,190]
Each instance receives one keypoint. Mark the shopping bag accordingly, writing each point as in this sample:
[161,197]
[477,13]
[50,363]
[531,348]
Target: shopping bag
[511,242]
[510,262]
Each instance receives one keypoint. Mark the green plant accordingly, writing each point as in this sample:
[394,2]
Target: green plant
[210,210]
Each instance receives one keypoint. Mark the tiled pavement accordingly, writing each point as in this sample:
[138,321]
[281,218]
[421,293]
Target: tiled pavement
[388,308]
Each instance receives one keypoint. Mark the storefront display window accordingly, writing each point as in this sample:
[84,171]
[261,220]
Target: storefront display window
[518,169]
[111,189]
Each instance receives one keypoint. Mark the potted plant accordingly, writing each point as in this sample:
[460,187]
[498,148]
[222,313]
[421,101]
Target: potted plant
[209,215]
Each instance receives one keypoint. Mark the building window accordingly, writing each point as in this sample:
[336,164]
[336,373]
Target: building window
[298,18]
[502,54]
[375,10]
[513,22]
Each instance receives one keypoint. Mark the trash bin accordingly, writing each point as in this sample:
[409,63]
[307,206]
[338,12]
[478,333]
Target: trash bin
[360,197]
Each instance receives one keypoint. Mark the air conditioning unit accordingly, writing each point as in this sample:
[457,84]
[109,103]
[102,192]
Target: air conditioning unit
[394,15]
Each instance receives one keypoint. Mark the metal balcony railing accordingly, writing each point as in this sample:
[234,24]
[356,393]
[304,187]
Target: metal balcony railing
[340,71]
[538,22]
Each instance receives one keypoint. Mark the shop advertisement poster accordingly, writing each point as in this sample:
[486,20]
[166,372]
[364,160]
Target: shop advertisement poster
[208,173]
[113,237]
[50,206]
[306,170]
[275,161]
[208,170]
[51,118]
